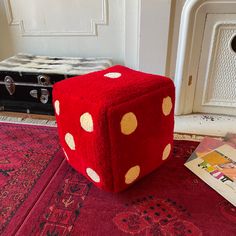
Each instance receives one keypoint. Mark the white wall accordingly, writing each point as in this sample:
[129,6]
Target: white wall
[34,29]
[154,29]
[175,18]
[131,32]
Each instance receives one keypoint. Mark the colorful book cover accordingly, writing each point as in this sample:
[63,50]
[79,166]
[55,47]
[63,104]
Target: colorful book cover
[208,144]
[214,161]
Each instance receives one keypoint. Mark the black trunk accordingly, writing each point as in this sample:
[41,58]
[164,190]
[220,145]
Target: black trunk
[26,81]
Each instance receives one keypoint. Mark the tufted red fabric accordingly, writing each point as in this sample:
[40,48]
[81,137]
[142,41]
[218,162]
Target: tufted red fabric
[115,125]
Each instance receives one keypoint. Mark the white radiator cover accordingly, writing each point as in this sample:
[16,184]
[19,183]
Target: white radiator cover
[216,81]
[205,75]
[222,90]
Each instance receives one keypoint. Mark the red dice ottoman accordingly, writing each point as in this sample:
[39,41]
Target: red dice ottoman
[115,125]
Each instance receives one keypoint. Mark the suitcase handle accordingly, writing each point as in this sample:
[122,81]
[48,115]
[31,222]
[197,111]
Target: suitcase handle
[42,95]
[10,84]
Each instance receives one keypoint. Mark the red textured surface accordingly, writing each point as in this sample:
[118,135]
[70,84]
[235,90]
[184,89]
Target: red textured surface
[106,150]
[170,201]
[28,160]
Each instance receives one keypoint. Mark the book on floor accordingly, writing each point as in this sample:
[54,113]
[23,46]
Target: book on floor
[214,161]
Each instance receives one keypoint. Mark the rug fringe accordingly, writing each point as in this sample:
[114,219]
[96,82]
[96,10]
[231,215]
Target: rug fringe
[188,137]
[192,137]
[28,121]
[52,123]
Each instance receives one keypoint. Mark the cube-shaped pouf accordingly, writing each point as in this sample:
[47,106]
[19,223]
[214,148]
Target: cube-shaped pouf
[115,125]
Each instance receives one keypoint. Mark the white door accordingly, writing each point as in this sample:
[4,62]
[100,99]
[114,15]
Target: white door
[216,78]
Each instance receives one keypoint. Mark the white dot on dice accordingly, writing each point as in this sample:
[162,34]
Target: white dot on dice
[70,141]
[57,107]
[128,123]
[113,75]
[166,152]
[86,122]
[132,174]
[93,175]
[167,105]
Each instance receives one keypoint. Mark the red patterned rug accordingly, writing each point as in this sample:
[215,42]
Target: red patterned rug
[29,157]
[170,201]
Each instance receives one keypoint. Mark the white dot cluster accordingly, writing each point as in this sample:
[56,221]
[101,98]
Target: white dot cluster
[128,125]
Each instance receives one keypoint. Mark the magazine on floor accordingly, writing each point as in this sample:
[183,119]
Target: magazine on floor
[214,161]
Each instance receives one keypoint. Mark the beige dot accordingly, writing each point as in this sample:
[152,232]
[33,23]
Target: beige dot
[57,107]
[93,175]
[167,105]
[166,152]
[113,75]
[67,158]
[132,174]
[70,141]
[86,122]
[128,123]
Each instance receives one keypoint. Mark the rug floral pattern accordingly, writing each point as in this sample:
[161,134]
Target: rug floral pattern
[155,216]
[25,153]
[61,213]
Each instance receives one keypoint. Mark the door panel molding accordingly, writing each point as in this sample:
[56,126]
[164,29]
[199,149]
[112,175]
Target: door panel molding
[83,23]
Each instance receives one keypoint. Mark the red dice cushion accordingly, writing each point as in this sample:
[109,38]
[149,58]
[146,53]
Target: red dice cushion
[115,125]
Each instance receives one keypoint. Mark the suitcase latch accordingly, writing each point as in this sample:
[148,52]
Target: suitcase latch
[44,80]
[44,95]
[10,85]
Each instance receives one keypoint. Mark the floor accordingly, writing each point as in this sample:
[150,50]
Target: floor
[205,124]
[197,125]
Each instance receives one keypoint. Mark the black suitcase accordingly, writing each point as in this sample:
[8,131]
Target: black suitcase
[26,80]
